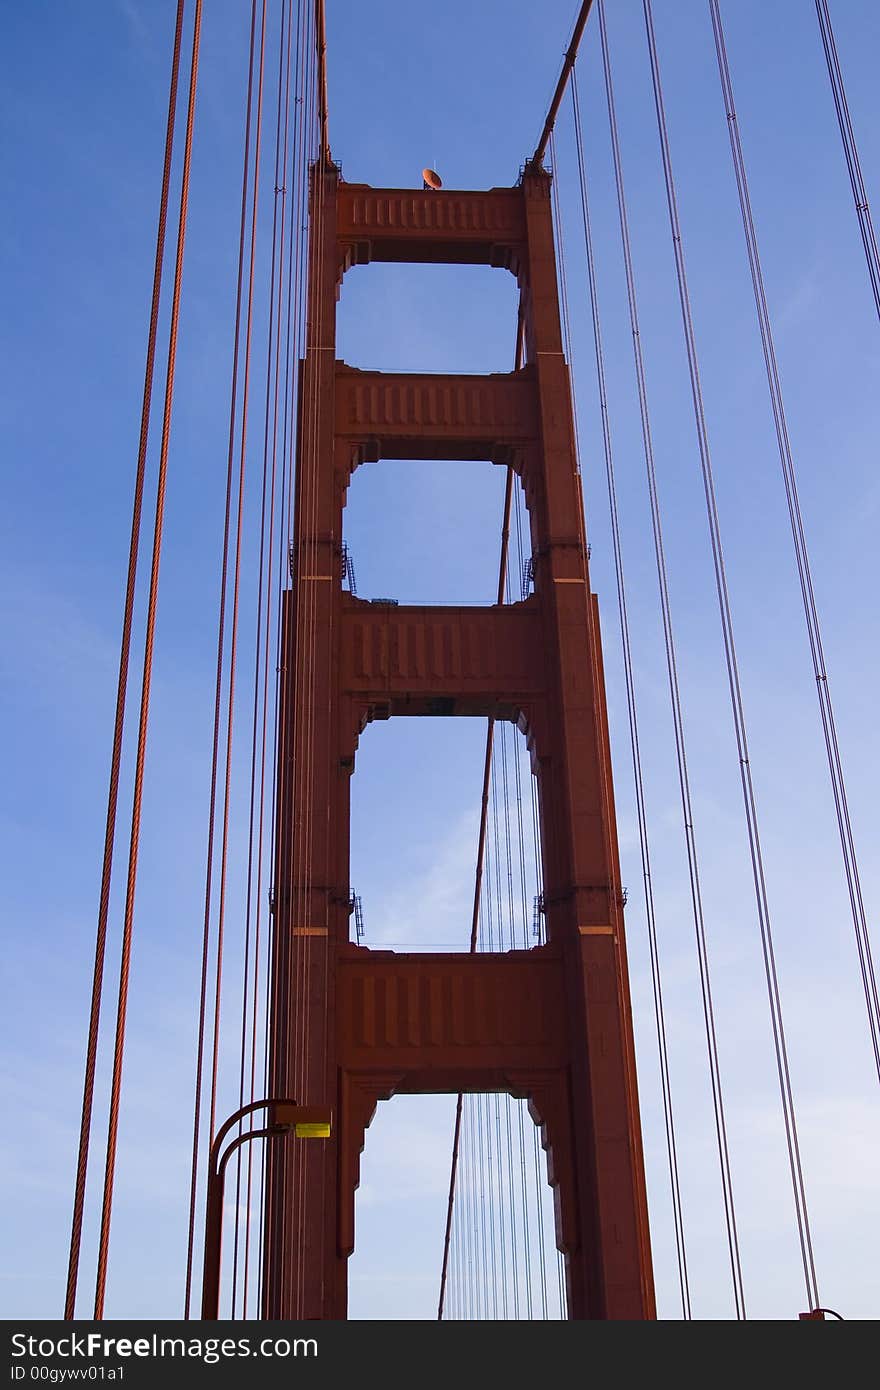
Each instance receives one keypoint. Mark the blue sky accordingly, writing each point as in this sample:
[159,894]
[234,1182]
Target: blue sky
[463,87]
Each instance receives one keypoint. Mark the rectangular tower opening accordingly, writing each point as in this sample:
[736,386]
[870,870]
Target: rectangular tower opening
[426,532]
[503,1263]
[415,815]
[427,318]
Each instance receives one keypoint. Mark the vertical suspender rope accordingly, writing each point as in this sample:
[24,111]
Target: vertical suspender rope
[811,613]
[512,1190]
[736,701]
[850,149]
[221,627]
[236,591]
[252,906]
[540,1184]
[122,686]
[146,681]
[298,252]
[282,354]
[675,698]
[632,712]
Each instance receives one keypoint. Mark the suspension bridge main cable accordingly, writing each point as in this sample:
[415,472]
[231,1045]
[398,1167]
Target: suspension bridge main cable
[736,700]
[850,149]
[632,713]
[146,682]
[567,69]
[121,690]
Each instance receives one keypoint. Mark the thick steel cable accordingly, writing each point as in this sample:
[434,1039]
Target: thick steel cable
[736,701]
[121,690]
[559,92]
[632,713]
[450,1212]
[323,112]
[218,682]
[676,706]
[267,499]
[850,149]
[146,681]
[811,613]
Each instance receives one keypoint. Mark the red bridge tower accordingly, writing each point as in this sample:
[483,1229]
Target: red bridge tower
[351,1026]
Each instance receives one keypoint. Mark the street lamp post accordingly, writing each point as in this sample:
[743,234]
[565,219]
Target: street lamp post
[285,1117]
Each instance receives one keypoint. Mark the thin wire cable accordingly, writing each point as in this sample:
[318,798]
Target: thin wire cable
[523,904]
[811,613]
[850,149]
[146,682]
[513,1192]
[285,978]
[494,903]
[218,683]
[263,596]
[276,584]
[540,1189]
[736,701]
[675,697]
[295,316]
[236,593]
[481,839]
[121,690]
[632,713]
